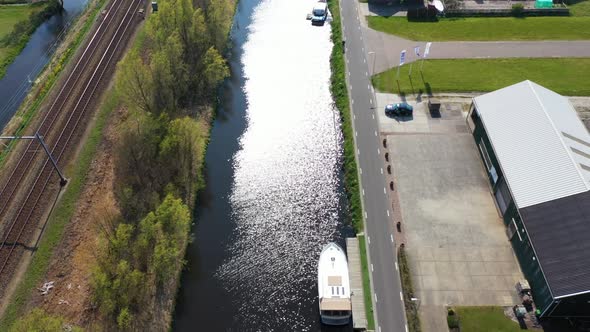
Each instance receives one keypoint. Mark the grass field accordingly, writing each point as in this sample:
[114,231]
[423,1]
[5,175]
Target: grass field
[579,7]
[488,28]
[567,76]
[10,15]
[476,319]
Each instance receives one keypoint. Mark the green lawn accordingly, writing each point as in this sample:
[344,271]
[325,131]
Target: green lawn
[579,7]
[10,15]
[488,319]
[487,28]
[366,283]
[567,76]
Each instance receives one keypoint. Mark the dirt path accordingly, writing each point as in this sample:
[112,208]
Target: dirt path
[71,265]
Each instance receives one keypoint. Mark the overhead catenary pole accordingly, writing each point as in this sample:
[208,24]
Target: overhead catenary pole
[38,137]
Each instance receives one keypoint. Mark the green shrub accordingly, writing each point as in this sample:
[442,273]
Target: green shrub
[39,321]
[518,10]
[453,321]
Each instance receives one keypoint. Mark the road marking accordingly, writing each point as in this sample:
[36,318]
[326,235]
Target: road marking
[372,270]
[373,115]
[371,101]
[381,170]
[384,191]
[359,25]
[358,151]
[364,60]
[401,297]
[348,73]
[356,133]
[363,192]
[361,170]
[354,116]
[406,327]
[378,150]
[369,87]
[367,74]
[367,236]
[343,27]
[396,266]
[388,213]
[347,60]
[379,328]
[375,297]
[376,135]
[352,101]
[363,49]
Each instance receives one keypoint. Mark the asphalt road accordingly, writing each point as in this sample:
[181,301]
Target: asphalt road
[387,296]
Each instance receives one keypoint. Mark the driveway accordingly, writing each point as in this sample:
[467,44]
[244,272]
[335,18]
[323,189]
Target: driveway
[457,246]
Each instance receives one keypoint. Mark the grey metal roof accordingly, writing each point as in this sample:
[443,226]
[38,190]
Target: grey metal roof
[559,231]
[542,146]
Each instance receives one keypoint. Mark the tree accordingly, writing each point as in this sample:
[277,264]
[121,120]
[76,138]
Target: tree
[219,19]
[216,69]
[162,235]
[135,83]
[185,143]
[138,172]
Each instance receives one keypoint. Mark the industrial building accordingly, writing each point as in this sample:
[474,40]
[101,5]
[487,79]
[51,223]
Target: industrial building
[536,152]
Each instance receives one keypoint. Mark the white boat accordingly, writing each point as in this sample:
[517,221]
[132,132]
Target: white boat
[334,286]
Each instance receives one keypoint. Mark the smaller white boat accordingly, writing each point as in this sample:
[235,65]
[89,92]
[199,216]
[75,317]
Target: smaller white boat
[334,286]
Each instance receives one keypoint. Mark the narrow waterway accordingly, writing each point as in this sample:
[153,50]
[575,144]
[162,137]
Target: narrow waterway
[25,68]
[274,194]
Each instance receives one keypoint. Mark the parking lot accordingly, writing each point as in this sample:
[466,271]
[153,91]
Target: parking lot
[458,249]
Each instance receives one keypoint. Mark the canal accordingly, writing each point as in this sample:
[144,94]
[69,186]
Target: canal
[274,194]
[25,68]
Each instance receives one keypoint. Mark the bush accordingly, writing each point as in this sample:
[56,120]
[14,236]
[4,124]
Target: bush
[38,320]
[453,321]
[422,14]
[518,10]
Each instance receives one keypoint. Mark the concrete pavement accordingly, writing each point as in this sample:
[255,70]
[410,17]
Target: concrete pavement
[387,295]
[387,48]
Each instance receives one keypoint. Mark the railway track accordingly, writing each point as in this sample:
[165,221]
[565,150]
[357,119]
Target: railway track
[63,122]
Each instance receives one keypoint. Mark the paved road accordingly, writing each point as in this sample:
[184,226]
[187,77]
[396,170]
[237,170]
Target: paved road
[376,201]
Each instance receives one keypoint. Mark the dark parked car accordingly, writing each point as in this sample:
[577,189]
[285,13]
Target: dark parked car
[399,109]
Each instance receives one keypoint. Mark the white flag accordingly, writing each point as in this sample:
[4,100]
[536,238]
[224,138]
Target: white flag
[427,49]
[417,50]
[402,57]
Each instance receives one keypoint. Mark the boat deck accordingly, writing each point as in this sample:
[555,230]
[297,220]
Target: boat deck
[359,319]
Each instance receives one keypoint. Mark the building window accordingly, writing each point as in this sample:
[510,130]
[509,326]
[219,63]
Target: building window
[488,162]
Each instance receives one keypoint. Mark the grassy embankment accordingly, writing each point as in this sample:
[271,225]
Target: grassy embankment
[486,28]
[65,208]
[340,95]
[472,319]
[17,23]
[51,73]
[566,76]
[411,307]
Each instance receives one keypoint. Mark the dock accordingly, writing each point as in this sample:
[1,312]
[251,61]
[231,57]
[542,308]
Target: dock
[359,318]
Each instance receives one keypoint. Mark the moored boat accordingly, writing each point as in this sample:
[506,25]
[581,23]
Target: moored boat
[334,286]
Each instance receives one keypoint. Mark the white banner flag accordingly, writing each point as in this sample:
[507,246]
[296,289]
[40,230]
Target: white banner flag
[417,50]
[427,49]
[402,57]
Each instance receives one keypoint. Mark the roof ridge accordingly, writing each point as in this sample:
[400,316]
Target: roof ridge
[558,132]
